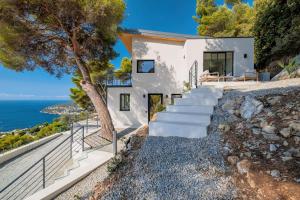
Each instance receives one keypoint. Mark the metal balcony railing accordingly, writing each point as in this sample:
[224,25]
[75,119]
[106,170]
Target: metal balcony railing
[119,79]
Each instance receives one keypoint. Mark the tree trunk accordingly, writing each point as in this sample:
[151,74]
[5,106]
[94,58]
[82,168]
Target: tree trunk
[107,126]
[101,108]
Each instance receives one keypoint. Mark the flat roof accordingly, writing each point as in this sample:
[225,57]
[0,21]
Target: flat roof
[126,36]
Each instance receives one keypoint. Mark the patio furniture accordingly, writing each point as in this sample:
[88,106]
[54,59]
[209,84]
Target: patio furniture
[206,76]
[248,76]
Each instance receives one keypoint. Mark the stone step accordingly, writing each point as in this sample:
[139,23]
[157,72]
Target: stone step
[190,109]
[167,129]
[199,96]
[218,92]
[196,101]
[184,117]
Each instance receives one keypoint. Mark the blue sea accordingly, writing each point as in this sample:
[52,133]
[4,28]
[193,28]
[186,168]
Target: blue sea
[19,114]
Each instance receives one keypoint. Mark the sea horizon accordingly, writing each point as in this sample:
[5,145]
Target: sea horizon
[25,113]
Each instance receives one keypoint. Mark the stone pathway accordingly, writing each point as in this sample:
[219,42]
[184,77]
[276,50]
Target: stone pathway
[12,169]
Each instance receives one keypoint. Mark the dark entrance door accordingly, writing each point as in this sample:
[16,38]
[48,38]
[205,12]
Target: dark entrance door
[154,102]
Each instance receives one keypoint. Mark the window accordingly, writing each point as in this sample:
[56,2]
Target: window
[145,66]
[221,62]
[124,102]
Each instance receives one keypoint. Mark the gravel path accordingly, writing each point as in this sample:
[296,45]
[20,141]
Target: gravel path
[12,169]
[84,188]
[176,168]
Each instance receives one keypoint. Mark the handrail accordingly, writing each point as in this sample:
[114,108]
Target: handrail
[193,75]
[38,169]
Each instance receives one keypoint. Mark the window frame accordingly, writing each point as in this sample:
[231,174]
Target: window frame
[220,52]
[122,107]
[141,60]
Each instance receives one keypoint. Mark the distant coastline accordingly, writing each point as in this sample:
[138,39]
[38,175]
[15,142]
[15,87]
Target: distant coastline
[23,114]
[61,109]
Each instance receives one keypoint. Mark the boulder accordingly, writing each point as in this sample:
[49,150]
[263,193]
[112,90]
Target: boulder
[281,75]
[285,132]
[243,166]
[229,106]
[271,137]
[295,125]
[273,147]
[232,159]
[285,143]
[274,100]
[275,173]
[297,140]
[250,107]
[269,129]
[256,131]
[224,127]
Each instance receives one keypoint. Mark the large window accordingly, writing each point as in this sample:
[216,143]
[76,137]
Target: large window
[124,102]
[221,62]
[145,66]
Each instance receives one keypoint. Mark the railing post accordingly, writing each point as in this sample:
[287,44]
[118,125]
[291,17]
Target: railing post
[71,140]
[83,138]
[87,121]
[44,172]
[196,74]
[97,120]
[114,142]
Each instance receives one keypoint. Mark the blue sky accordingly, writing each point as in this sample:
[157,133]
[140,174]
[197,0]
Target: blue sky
[160,15]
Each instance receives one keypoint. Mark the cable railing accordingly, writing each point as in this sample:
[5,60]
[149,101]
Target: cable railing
[193,75]
[43,172]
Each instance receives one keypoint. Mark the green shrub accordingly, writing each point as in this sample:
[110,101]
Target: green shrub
[114,164]
[11,141]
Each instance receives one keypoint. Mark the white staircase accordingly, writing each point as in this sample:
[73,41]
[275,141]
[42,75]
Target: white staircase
[189,116]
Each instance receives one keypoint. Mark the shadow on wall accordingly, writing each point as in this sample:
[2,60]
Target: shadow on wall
[140,49]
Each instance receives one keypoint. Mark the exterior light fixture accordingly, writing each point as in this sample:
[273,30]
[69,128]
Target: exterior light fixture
[245,55]
[144,95]
[167,96]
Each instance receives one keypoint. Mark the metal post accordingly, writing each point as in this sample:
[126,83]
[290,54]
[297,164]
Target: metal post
[44,172]
[114,143]
[97,120]
[83,138]
[87,121]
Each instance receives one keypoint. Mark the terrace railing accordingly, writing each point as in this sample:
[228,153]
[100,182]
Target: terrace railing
[119,79]
[193,75]
[43,172]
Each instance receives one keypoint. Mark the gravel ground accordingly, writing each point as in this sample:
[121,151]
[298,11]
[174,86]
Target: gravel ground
[176,168]
[84,188]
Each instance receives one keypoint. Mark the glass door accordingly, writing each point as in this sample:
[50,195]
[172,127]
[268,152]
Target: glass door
[155,104]
[221,62]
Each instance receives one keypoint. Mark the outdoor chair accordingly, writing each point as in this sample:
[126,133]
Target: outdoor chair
[206,76]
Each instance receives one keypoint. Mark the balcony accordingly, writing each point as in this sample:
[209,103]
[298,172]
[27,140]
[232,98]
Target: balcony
[119,79]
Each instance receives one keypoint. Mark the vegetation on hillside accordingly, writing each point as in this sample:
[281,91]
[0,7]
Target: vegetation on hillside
[277,30]
[18,138]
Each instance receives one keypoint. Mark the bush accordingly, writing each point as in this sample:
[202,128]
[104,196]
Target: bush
[11,141]
[50,129]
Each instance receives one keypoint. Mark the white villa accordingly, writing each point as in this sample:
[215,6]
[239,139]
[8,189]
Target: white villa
[162,62]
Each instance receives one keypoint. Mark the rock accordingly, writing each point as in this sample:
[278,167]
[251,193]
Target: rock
[269,129]
[250,107]
[256,131]
[274,100]
[248,154]
[272,137]
[269,156]
[297,180]
[229,106]
[297,140]
[232,159]
[273,147]
[285,143]
[285,132]
[295,126]
[275,173]
[224,127]
[284,158]
[281,76]
[243,166]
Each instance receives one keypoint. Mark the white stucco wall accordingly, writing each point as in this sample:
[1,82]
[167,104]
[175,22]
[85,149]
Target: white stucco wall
[167,79]
[172,63]
[195,48]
